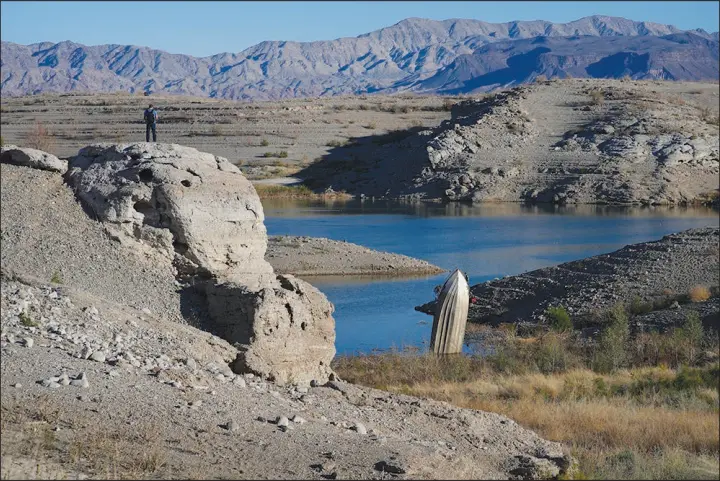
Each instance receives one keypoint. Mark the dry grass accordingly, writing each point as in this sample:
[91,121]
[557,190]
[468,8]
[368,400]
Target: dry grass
[699,294]
[128,452]
[266,191]
[636,423]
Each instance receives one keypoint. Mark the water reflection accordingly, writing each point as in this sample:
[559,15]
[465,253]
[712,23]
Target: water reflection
[302,207]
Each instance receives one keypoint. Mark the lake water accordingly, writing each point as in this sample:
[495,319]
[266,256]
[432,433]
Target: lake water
[486,241]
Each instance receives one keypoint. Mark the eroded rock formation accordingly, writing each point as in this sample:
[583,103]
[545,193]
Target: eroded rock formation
[200,211]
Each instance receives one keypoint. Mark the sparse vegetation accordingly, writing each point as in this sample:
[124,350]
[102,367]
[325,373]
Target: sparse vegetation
[371,126]
[56,278]
[264,142]
[597,97]
[647,411]
[281,154]
[40,138]
[337,143]
[540,78]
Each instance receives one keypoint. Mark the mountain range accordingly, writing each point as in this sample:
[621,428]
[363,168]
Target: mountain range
[415,55]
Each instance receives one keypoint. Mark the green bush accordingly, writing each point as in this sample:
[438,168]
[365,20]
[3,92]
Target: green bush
[264,142]
[612,348]
[282,154]
[559,319]
[26,321]
[56,278]
[637,306]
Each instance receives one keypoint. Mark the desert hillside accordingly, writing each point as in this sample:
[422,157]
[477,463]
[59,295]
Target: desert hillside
[568,141]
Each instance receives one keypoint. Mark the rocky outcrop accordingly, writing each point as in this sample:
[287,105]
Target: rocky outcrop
[191,205]
[200,211]
[37,159]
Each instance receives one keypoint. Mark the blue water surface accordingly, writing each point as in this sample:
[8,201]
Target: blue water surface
[485,241]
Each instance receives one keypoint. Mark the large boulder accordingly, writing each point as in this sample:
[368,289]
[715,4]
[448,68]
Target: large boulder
[284,332]
[37,159]
[199,210]
[192,205]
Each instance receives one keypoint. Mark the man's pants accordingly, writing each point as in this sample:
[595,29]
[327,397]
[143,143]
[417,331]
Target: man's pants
[147,133]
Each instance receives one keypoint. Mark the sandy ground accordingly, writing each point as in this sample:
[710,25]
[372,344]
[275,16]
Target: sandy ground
[312,256]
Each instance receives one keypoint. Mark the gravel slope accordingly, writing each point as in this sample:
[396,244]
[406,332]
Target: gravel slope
[45,231]
[167,387]
[649,270]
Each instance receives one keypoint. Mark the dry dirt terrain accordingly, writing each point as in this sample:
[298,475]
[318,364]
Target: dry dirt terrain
[160,402]
[243,132]
[564,141]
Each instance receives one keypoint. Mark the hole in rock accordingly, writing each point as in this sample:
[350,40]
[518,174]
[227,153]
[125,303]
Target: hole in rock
[146,175]
[303,325]
[144,207]
[186,183]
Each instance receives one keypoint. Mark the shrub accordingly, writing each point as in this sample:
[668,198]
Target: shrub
[26,321]
[56,279]
[371,126]
[553,355]
[612,348]
[637,306]
[40,138]
[559,318]
[687,341]
[540,78]
[597,97]
[264,142]
[282,154]
[699,294]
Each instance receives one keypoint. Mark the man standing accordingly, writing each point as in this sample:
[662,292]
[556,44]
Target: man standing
[151,117]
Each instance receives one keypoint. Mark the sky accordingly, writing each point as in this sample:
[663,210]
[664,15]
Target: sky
[207,28]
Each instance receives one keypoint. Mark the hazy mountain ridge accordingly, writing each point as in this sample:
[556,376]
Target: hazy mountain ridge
[413,54]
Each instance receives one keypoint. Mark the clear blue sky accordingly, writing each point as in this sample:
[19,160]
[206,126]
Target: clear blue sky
[206,28]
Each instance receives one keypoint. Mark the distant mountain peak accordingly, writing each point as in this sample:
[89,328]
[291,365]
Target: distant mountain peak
[416,54]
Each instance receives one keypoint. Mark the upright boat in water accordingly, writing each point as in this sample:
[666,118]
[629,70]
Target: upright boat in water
[451,311]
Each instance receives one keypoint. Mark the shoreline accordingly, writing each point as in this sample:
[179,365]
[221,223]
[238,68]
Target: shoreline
[645,274]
